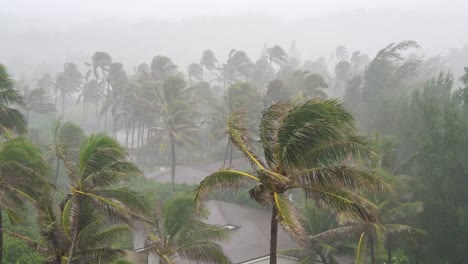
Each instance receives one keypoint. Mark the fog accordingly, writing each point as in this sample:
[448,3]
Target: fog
[248,131]
[47,33]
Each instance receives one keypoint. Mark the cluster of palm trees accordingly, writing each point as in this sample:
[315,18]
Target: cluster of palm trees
[83,222]
[304,142]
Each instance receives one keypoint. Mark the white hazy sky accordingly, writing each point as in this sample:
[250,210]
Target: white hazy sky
[81,10]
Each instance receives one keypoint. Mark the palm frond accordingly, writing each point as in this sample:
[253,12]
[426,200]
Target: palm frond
[310,125]
[240,137]
[289,217]
[133,200]
[226,177]
[343,176]
[204,251]
[271,121]
[343,201]
[360,250]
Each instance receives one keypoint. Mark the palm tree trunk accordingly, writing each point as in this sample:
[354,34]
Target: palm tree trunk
[114,125]
[57,169]
[389,253]
[73,242]
[173,160]
[127,130]
[273,234]
[372,248]
[231,149]
[105,121]
[84,113]
[56,95]
[97,114]
[138,141]
[133,137]
[323,258]
[63,106]
[1,237]
[226,153]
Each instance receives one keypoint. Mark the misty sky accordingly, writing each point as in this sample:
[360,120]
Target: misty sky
[81,10]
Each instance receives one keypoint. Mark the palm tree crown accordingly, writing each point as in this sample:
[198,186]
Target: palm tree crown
[312,146]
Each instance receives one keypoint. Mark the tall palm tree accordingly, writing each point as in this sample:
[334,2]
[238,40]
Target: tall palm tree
[94,180]
[175,114]
[10,118]
[37,100]
[162,67]
[96,236]
[373,235]
[316,221]
[209,62]
[116,100]
[277,55]
[307,85]
[68,82]
[21,175]
[195,71]
[67,138]
[99,66]
[178,231]
[312,146]
[89,92]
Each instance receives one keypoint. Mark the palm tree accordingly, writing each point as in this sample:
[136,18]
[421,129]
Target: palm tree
[209,62]
[312,146]
[178,231]
[96,237]
[195,71]
[21,175]
[10,118]
[67,138]
[307,85]
[372,235]
[37,100]
[162,67]
[117,98]
[68,82]
[89,92]
[94,180]
[277,55]
[238,67]
[100,63]
[176,114]
[316,221]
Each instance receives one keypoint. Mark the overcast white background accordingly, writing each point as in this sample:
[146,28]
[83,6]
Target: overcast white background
[81,10]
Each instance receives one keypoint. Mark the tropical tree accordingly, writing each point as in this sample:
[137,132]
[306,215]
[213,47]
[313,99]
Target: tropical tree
[178,230]
[162,67]
[209,61]
[195,71]
[116,99]
[307,85]
[67,138]
[37,100]
[276,55]
[96,237]
[312,146]
[89,92]
[21,175]
[94,186]
[100,62]
[10,118]
[238,66]
[175,114]
[99,66]
[68,82]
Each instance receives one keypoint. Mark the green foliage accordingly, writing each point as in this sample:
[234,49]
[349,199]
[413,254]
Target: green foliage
[178,231]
